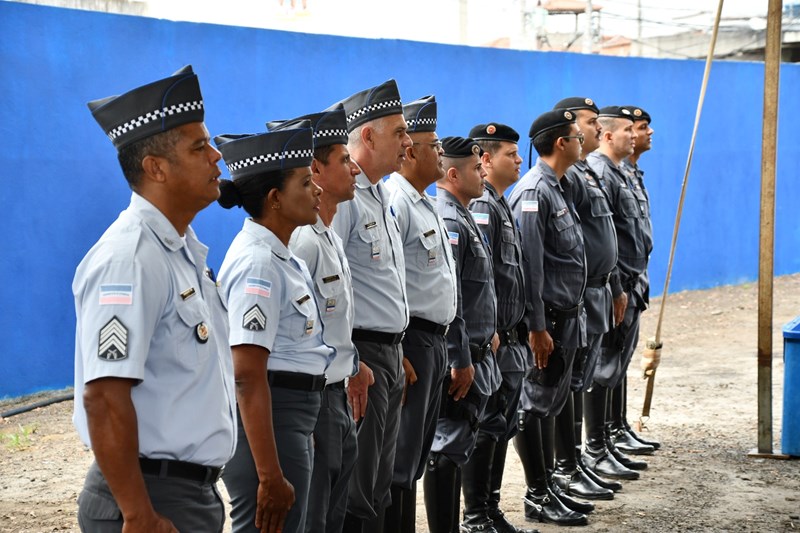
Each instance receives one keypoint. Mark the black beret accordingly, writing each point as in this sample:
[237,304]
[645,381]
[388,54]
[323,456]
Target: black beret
[573,103]
[615,111]
[458,147]
[494,131]
[373,103]
[248,154]
[151,109]
[638,113]
[420,114]
[330,126]
[549,120]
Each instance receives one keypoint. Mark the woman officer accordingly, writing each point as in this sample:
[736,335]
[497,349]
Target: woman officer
[279,357]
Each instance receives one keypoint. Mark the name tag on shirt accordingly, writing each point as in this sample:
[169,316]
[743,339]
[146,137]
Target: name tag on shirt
[330,279]
[562,212]
[188,293]
[429,233]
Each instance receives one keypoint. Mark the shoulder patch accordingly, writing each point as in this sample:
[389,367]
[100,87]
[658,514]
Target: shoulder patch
[530,206]
[116,294]
[481,218]
[452,237]
[113,341]
[258,286]
[254,319]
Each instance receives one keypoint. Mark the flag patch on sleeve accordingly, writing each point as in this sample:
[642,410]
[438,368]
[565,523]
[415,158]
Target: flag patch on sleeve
[116,294]
[481,218]
[530,206]
[453,237]
[258,286]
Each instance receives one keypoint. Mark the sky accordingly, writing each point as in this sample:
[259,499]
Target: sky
[480,24]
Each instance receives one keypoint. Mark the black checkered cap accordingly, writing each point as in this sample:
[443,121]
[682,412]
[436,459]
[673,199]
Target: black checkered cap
[549,120]
[574,103]
[369,104]
[420,114]
[330,126]
[248,154]
[494,131]
[638,113]
[615,111]
[150,109]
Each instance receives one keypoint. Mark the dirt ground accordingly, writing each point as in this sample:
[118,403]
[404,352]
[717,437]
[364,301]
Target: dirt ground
[704,412]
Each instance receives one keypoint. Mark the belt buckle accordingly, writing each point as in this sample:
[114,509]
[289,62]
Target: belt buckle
[446,330]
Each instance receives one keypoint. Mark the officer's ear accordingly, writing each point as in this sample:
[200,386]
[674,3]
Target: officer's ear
[486,160]
[154,168]
[316,167]
[451,176]
[368,136]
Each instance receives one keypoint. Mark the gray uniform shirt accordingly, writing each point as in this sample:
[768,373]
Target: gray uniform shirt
[271,302]
[552,241]
[148,310]
[321,250]
[430,269]
[371,239]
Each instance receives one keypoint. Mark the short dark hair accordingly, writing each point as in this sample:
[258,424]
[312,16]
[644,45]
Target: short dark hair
[488,145]
[322,153]
[543,144]
[131,156]
[249,192]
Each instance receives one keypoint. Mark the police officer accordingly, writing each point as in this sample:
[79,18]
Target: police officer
[374,249]
[555,278]
[335,446]
[471,339]
[600,240]
[154,391]
[482,476]
[279,355]
[634,246]
[431,288]
[624,437]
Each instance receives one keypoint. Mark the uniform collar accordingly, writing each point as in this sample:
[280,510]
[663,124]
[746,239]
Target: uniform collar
[267,237]
[548,174]
[490,188]
[400,181]
[158,223]
[319,226]
[362,181]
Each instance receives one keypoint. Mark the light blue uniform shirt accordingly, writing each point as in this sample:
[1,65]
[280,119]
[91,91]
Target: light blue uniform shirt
[321,250]
[371,239]
[271,302]
[148,310]
[430,269]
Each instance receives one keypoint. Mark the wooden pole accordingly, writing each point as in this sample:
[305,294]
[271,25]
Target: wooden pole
[772,63]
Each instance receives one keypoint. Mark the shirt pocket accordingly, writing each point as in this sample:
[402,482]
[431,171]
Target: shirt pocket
[302,322]
[476,262]
[508,247]
[629,205]
[598,202]
[331,291]
[371,237]
[566,234]
[193,330]
[430,252]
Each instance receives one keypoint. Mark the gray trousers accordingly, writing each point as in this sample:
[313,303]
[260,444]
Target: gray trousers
[335,452]
[377,432]
[500,417]
[294,416]
[614,360]
[190,505]
[428,355]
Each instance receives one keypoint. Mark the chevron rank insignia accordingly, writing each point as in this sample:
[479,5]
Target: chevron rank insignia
[113,345]
[254,319]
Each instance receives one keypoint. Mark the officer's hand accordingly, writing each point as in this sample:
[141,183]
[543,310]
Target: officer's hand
[274,499]
[411,377]
[495,342]
[542,346]
[620,305]
[460,381]
[150,522]
[357,390]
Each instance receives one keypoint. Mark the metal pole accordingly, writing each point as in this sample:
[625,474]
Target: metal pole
[587,34]
[772,63]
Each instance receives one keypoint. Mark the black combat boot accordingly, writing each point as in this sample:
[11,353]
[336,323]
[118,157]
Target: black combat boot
[401,516]
[476,486]
[618,435]
[614,406]
[441,489]
[499,520]
[596,457]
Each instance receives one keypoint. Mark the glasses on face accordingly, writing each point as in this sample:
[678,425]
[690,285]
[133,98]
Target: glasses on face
[579,136]
[435,145]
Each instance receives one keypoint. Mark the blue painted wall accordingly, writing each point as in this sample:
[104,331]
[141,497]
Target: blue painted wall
[62,187]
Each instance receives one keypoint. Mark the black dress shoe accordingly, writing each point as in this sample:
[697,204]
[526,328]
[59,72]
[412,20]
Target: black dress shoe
[546,507]
[502,525]
[570,502]
[629,430]
[615,486]
[627,444]
[581,485]
[626,461]
[604,464]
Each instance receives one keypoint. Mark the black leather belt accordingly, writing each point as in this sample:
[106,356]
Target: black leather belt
[380,337]
[296,380]
[557,314]
[510,336]
[478,352]
[427,326]
[598,281]
[180,469]
[339,385]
